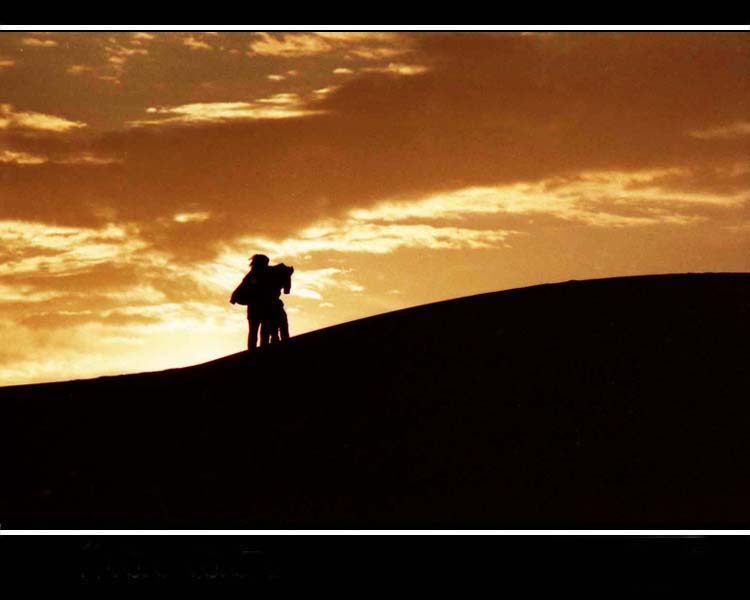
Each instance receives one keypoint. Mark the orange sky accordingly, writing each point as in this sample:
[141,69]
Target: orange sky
[140,170]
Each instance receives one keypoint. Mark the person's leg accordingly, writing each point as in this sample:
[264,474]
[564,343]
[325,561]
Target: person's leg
[265,332]
[275,326]
[283,324]
[271,323]
[252,338]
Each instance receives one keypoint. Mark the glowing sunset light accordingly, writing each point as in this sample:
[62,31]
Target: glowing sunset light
[139,171]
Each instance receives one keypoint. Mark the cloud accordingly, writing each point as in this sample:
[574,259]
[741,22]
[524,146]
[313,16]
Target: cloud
[398,69]
[194,43]
[140,37]
[376,53]
[79,69]
[42,249]
[37,43]
[74,158]
[25,293]
[287,99]
[192,217]
[6,63]
[358,236]
[342,71]
[487,217]
[21,158]
[86,158]
[322,92]
[288,45]
[596,198]
[11,119]
[493,111]
[735,130]
[119,54]
[364,45]
[278,106]
[313,284]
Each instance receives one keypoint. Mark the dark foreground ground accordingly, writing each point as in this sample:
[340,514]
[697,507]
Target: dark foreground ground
[605,403]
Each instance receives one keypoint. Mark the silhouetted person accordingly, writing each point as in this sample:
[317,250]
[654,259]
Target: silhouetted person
[253,292]
[279,278]
[260,290]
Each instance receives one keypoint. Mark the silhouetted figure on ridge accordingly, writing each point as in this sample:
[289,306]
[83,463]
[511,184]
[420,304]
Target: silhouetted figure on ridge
[250,292]
[280,278]
[260,290]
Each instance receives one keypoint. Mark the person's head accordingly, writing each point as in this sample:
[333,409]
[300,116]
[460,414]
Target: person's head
[259,261]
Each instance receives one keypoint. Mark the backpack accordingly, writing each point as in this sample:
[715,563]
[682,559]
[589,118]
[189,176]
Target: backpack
[244,293]
[283,277]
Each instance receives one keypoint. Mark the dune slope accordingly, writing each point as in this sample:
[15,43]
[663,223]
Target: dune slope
[615,402]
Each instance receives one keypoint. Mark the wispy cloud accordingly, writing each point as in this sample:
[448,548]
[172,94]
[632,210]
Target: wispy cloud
[37,43]
[404,69]
[479,217]
[326,91]
[597,198]
[399,69]
[26,293]
[194,43]
[38,248]
[314,284]
[116,51]
[192,217]
[73,158]
[79,69]
[278,106]
[359,236]
[373,53]
[364,45]
[12,119]
[118,55]
[21,158]
[288,45]
[86,158]
[140,37]
[736,129]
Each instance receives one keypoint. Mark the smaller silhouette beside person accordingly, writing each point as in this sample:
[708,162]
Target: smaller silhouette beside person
[260,290]
[279,279]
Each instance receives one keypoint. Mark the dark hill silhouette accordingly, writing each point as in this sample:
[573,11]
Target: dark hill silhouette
[614,402]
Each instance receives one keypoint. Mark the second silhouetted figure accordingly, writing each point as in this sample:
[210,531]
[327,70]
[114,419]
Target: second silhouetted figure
[260,291]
